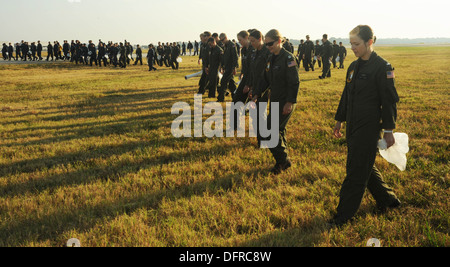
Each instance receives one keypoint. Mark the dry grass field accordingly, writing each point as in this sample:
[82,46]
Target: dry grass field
[87,153]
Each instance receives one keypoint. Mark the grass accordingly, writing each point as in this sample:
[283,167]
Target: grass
[87,152]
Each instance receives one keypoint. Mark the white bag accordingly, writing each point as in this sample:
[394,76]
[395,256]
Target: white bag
[396,154]
[179,60]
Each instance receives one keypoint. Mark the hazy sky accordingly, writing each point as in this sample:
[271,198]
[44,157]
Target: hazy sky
[145,21]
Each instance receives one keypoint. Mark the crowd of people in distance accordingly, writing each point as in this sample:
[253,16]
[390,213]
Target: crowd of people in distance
[111,53]
[164,54]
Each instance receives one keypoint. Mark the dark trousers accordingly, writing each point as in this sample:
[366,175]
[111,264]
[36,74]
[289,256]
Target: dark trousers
[280,151]
[203,82]
[307,62]
[93,59]
[167,61]
[239,96]
[318,61]
[225,83]
[362,174]
[138,58]
[50,54]
[102,58]
[341,62]
[174,63]
[150,64]
[213,78]
[326,71]
[334,61]
[122,61]
[39,54]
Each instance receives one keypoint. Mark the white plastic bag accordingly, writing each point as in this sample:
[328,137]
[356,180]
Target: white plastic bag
[396,154]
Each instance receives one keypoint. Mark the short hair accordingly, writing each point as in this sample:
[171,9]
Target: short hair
[207,34]
[243,34]
[211,39]
[325,36]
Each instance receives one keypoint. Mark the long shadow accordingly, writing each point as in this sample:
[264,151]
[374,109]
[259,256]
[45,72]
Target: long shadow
[307,236]
[50,226]
[94,172]
[117,104]
[100,129]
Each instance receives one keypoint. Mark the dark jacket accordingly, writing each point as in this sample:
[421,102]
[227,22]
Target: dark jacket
[258,64]
[369,98]
[215,58]
[281,76]
[327,50]
[230,57]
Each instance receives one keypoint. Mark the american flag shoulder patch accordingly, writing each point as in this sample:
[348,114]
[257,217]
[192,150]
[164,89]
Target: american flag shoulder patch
[292,64]
[390,74]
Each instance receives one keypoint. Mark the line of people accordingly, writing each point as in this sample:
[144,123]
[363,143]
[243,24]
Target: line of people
[309,53]
[270,75]
[114,54]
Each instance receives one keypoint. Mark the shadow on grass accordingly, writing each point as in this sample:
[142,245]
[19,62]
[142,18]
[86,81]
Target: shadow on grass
[51,226]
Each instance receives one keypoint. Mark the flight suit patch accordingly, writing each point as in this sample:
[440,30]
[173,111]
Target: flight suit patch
[350,76]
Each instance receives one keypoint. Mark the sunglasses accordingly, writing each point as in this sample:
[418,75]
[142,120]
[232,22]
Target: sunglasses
[271,43]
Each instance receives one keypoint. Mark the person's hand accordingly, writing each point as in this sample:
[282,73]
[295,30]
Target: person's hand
[199,62]
[287,109]
[234,71]
[246,89]
[207,70]
[337,130]
[390,140]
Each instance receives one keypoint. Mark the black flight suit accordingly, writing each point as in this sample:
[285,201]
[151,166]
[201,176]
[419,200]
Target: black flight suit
[85,54]
[203,56]
[167,52]
[4,51]
[213,64]
[317,53]
[18,51]
[33,51]
[281,76]
[10,52]
[239,95]
[101,56]
[25,49]
[368,104]
[230,63]
[93,53]
[56,51]
[300,53]
[139,56]
[160,51]
[342,55]
[123,56]
[327,53]
[309,52]
[174,54]
[335,54]
[150,59]
[258,65]
[49,51]
[66,49]
[39,51]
